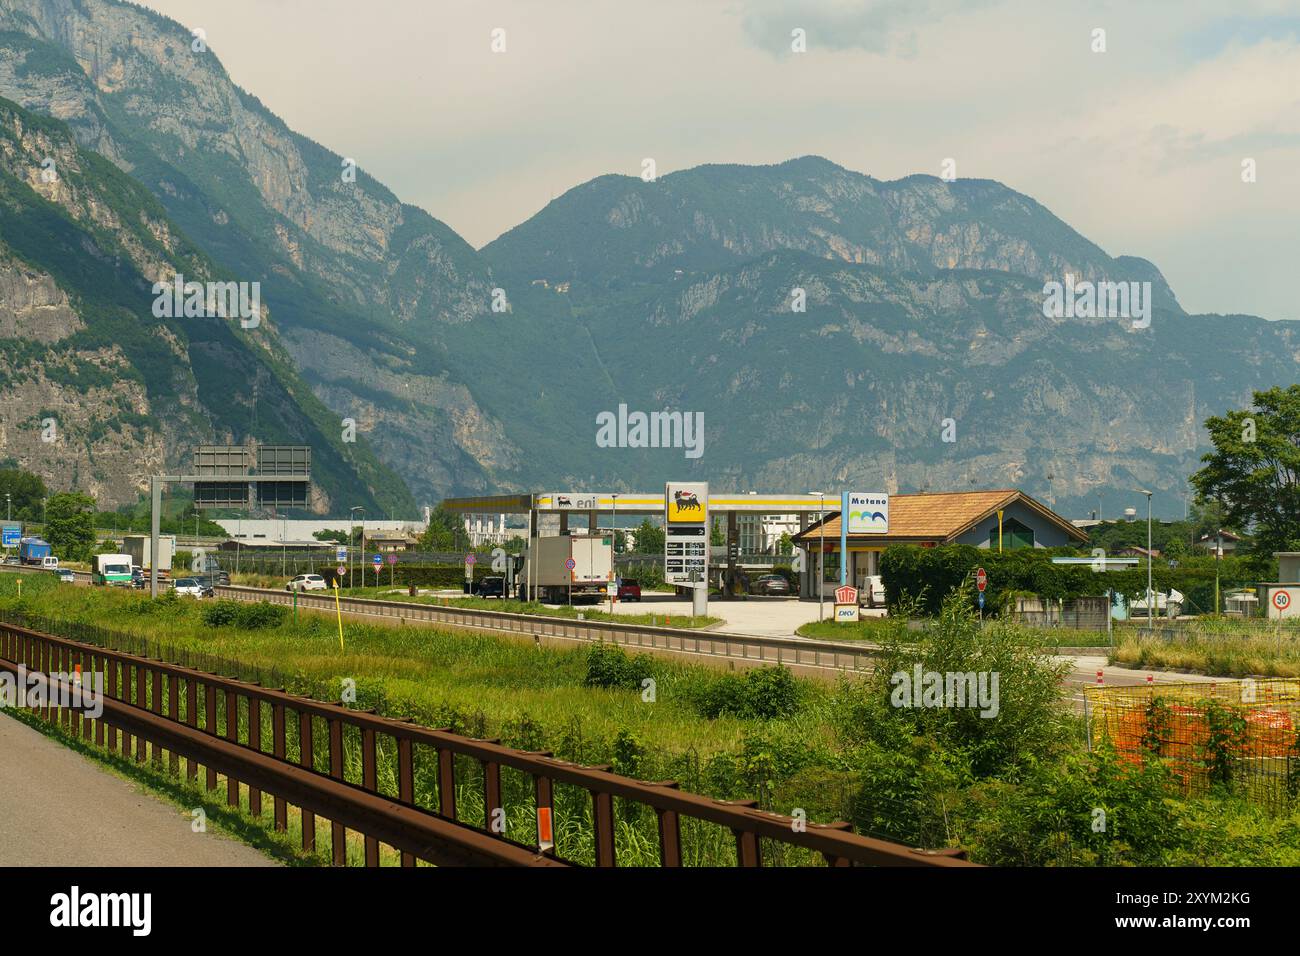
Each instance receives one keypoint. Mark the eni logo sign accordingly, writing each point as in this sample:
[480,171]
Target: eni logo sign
[868,513]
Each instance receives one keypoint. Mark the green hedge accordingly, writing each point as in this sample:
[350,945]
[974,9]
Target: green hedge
[929,574]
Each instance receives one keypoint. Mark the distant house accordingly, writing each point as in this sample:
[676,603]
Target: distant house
[1137,551]
[1226,539]
[386,542]
[931,519]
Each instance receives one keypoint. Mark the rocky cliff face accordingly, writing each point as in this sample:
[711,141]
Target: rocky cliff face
[96,391]
[354,271]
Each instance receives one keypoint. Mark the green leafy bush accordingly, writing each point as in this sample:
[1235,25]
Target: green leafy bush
[608,665]
[762,693]
[251,617]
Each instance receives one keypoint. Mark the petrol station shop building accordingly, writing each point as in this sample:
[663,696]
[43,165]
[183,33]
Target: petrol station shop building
[1003,519]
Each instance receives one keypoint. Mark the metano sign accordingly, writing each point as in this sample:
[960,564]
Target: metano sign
[868,513]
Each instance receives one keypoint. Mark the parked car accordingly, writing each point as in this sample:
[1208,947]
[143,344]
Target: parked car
[65,575]
[629,589]
[770,584]
[192,587]
[490,587]
[306,582]
[872,594]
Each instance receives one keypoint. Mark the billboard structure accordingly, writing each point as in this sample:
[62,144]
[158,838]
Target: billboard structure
[686,533]
[233,476]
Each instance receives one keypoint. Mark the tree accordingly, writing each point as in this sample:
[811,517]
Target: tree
[445,531]
[1254,470]
[330,535]
[649,538]
[25,492]
[70,525]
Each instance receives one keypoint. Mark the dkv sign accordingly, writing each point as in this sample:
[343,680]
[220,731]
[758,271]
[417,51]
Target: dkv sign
[846,603]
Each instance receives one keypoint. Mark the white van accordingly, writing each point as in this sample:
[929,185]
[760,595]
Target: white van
[872,592]
[50,563]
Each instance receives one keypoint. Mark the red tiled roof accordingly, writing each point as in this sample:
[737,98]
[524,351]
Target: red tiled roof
[942,516]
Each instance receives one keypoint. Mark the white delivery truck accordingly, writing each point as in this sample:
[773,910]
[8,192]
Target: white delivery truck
[112,569]
[137,546]
[554,582]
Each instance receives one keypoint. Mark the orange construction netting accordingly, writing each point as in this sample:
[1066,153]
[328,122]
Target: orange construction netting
[1239,735]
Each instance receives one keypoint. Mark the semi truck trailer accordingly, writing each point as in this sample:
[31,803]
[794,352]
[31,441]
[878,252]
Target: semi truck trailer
[555,582]
[138,547]
[34,551]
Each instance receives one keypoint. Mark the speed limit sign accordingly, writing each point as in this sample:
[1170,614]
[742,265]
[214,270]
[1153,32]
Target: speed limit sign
[1282,602]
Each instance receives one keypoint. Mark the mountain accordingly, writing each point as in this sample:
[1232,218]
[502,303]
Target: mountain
[617,230]
[922,304]
[359,281]
[129,393]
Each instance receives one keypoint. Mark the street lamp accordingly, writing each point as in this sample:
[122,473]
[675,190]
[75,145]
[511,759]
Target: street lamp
[352,520]
[1150,593]
[613,544]
[821,549]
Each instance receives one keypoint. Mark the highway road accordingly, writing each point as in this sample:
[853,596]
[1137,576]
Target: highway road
[59,809]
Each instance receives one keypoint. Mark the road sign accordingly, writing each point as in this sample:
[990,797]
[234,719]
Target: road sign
[1281,600]
[470,558]
[981,599]
[981,580]
[341,570]
[570,564]
[12,535]
[341,554]
[377,559]
[392,559]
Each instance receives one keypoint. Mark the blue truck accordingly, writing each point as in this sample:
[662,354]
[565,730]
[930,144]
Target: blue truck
[34,551]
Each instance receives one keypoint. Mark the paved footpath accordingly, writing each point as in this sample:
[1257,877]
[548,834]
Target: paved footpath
[57,808]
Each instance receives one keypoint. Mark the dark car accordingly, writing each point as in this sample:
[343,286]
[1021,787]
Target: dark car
[629,589]
[770,584]
[490,588]
[138,580]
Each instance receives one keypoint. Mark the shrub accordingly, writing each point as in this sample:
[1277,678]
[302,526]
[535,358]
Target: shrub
[608,665]
[762,693]
[220,613]
[252,617]
[262,614]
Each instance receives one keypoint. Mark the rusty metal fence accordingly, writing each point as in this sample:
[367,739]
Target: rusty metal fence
[391,791]
[1239,735]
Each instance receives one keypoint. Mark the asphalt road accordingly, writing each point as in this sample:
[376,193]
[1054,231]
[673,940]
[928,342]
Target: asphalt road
[59,809]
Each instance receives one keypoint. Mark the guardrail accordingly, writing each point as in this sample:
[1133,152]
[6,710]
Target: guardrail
[225,726]
[794,652]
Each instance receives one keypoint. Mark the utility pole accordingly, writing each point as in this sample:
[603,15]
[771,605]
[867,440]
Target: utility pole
[613,544]
[1151,597]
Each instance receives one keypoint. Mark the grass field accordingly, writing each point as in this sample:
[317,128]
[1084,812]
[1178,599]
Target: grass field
[873,629]
[1218,647]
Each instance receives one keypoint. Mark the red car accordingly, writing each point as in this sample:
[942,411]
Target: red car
[629,590]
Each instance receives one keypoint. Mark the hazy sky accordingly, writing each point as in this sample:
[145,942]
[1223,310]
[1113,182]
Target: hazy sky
[1139,148]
